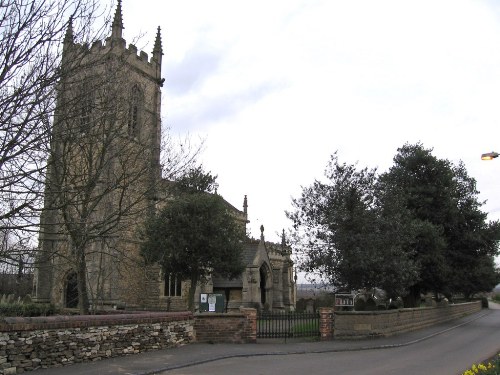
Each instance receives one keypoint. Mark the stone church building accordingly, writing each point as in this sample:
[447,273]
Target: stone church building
[105,177]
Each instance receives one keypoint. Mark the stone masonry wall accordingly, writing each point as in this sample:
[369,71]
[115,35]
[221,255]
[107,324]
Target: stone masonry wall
[357,324]
[30,343]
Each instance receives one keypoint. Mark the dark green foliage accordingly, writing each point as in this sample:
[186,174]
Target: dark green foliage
[348,237]
[415,229]
[195,180]
[496,297]
[19,284]
[195,235]
[26,309]
[484,302]
[454,246]
[365,305]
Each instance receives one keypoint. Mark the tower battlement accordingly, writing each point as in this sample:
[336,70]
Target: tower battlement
[137,58]
[117,45]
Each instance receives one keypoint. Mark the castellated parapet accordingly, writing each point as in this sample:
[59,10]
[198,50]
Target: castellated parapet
[138,59]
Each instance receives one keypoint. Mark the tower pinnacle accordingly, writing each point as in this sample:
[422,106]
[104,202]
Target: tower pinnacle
[69,39]
[157,49]
[69,36]
[117,25]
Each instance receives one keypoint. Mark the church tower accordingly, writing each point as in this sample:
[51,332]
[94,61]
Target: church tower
[103,171]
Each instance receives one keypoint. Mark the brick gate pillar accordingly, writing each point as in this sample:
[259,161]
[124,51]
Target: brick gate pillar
[251,324]
[326,319]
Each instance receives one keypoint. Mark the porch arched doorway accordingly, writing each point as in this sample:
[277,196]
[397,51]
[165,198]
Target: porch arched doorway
[263,283]
[71,291]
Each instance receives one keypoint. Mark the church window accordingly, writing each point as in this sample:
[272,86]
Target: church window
[135,104]
[173,286]
[86,106]
[71,294]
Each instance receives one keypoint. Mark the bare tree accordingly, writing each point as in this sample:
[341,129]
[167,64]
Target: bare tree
[16,273]
[71,143]
[31,35]
[105,175]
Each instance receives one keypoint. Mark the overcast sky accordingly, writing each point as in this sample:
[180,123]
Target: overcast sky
[275,87]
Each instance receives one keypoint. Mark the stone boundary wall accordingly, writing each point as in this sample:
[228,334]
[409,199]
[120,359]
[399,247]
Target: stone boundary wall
[233,327]
[360,324]
[30,343]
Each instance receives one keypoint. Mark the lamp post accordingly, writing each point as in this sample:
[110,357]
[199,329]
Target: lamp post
[490,155]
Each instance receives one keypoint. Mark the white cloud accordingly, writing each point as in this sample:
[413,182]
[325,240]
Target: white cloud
[277,86]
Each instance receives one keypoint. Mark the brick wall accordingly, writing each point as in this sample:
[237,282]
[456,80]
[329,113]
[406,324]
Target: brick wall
[357,324]
[234,327]
[326,323]
[30,343]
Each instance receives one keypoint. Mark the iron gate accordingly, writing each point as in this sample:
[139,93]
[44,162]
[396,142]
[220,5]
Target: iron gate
[287,325]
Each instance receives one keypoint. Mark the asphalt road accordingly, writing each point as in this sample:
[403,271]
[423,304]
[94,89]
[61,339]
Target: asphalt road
[448,353]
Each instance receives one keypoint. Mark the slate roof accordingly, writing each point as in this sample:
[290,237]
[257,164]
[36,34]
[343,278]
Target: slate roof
[219,282]
[248,253]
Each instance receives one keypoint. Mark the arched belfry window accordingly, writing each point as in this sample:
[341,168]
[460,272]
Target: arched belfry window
[86,100]
[135,110]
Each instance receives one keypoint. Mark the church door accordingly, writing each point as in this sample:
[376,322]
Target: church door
[262,272]
[71,291]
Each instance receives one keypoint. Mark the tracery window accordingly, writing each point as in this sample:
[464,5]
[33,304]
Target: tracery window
[134,112]
[173,286]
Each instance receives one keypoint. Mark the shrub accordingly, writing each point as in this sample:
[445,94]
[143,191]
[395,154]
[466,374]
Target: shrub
[26,309]
[496,297]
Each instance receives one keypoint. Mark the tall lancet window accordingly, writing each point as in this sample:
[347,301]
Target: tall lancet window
[135,109]
[86,100]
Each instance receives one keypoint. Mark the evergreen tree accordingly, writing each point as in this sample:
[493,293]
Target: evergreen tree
[195,235]
[453,240]
[345,235]
[415,229]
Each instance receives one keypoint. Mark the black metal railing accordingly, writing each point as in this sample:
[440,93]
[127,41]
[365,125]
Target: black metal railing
[287,325]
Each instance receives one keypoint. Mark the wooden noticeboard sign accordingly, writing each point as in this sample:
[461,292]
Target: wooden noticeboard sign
[210,302]
[344,300]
